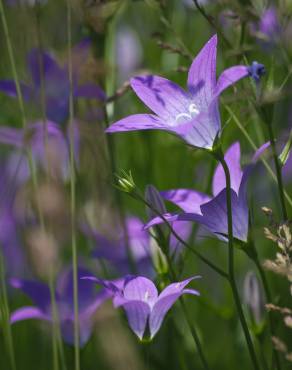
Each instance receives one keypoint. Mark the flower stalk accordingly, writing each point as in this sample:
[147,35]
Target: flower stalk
[73,194]
[231,271]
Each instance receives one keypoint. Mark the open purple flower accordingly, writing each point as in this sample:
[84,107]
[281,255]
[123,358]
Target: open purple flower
[192,115]
[211,211]
[145,308]
[88,300]
[49,148]
[46,72]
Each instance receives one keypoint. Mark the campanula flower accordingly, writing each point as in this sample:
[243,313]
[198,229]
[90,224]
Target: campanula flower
[48,145]
[253,297]
[47,73]
[145,308]
[88,302]
[210,211]
[268,30]
[193,115]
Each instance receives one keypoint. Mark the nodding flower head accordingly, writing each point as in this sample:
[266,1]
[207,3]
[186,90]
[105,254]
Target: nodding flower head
[256,71]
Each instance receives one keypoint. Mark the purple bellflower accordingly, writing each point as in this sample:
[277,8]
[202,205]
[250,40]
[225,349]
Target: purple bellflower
[88,301]
[138,241]
[268,30]
[145,308]
[46,72]
[192,115]
[49,147]
[210,211]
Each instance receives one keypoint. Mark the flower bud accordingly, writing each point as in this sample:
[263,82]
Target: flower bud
[253,297]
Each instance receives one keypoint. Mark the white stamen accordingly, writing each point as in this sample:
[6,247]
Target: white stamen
[193,110]
[184,117]
[147,295]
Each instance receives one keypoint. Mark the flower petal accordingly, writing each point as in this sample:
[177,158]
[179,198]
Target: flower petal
[11,136]
[89,91]
[188,200]
[137,122]
[9,88]
[229,77]
[165,301]
[28,312]
[40,62]
[215,216]
[39,293]
[163,97]
[140,289]
[202,74]
[137,313]
[232,158]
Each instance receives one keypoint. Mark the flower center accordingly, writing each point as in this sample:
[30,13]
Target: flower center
[187,116]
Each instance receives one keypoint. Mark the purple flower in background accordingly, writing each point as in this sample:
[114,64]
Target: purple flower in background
[129,243]
[88,300]
[133,245]
[128,51]
[268,30]
[46,72]
[145,308]
[192,115]
[211,212]
[52,155]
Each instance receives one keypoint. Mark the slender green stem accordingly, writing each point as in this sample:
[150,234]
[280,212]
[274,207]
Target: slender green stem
[278,171]
[183,242]
[231,266]
[269,299]
[188,319]
[5,314]
[195,335]
[54,323]
[73,195]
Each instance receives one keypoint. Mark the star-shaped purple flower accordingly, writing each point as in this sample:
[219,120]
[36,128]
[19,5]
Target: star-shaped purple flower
[211,212]
[55,82]
[145,308]
[88,300]
[192,115]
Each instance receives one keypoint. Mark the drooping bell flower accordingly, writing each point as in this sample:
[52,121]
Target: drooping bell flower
[144,307]
[211,211]
[89,299]
[53,78]
[192,115]
[49,148]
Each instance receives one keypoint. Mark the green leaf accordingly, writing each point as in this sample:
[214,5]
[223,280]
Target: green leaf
[283,157]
